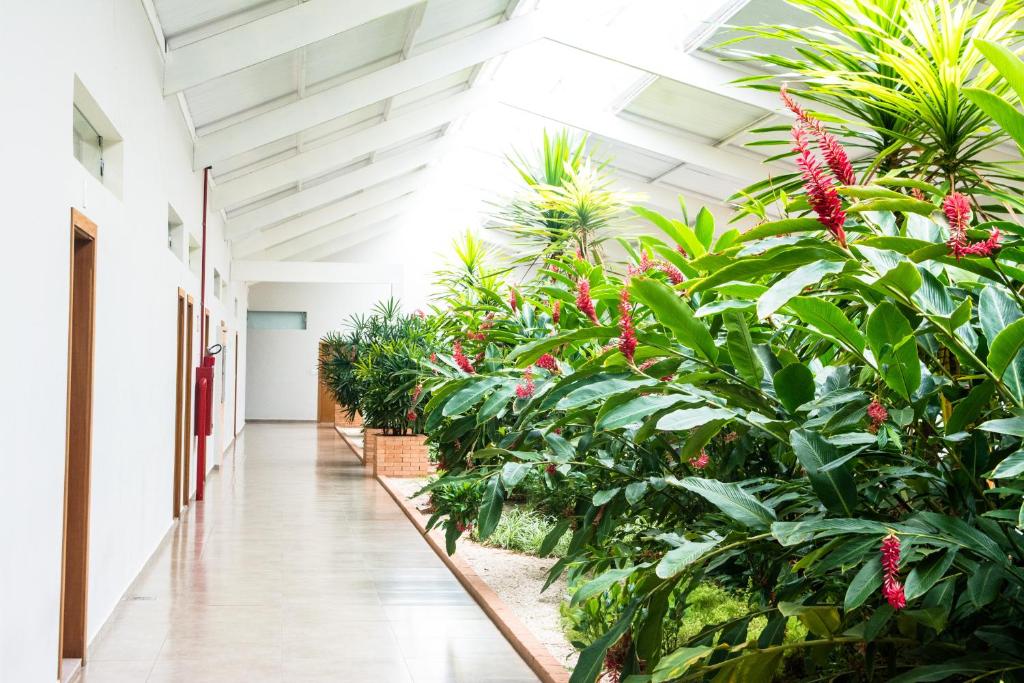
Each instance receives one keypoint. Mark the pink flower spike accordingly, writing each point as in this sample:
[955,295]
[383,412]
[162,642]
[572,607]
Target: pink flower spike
[835,156]
[513,302]
[525,389]
[701,461]
[821,194]
[627,338]
[877,414]
[584,302]
[461,360]
[547,362]
[892,589]
[675,276]
[556,312]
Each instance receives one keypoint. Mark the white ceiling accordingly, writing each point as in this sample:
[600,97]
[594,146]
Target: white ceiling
[321,119]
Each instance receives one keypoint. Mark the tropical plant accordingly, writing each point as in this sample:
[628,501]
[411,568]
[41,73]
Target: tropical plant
[372,367]
[823,412]
[895,73]
[567,205]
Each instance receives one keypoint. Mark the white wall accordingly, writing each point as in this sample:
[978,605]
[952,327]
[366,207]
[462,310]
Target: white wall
[282,363]
[111,47]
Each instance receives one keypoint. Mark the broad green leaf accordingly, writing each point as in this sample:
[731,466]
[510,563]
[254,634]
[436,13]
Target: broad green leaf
[828,320]
[1005,353]
[741,349]
[928,572]
[1011,426]
[795,533]
[1006,62]
[732,500]
[677,559]
[602,583]
[468,396]
[983,584]
[792,284]
[894,269]
[635,492]
[969,408]
[820,620]
[672,312]
[891,339]
[526,354]
[550,541]
[836,487]
[997,310]
[514,472]
[1000,111]
[680,233]
[704,227]
[496,402]
[781,227]
[602,497]
[1011,466]
[864,584]
[673,665]
[635,410]
[794,385]
[490,508]
[688,418]
[904,205]
[601,388]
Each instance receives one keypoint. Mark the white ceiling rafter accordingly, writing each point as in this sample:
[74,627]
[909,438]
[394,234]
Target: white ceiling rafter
[372,87]
[269,37]
[366,221]
[318,218]
[344,185]
[343,243]
[317,161]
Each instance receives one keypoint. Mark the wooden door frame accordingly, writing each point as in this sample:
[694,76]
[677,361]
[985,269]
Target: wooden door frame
[181,379]
[234,403]
[323,394]
[78,451]
[186,494]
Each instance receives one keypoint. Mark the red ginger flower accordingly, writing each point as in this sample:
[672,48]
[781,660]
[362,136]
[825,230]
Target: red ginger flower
[525,390]
[675,276]
[411,415]
[513,303]
[556,312]
[682,250]
[627,338]
[833,152]
[701,461]
[892,589]
[957,208]
[416,392]
[584,302]
[877,414]
[461,360]
[821,194]
[547,362]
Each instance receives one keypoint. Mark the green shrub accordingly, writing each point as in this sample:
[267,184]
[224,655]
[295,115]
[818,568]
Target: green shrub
[523,530]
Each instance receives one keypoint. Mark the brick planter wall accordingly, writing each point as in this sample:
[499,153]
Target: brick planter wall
[341,418]
[370,446]
[402,456]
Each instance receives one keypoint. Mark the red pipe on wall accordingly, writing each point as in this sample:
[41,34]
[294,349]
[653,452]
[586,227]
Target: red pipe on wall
[204,371]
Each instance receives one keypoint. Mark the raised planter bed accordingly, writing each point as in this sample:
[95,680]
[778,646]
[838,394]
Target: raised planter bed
[400,456]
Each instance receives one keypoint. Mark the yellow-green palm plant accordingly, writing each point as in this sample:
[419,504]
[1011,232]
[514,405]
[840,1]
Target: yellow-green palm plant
[895,72]
[567,205]
[474,268]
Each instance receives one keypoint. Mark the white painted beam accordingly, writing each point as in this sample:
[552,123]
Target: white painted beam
[315,271]
[653,57]
[369,222]
[331,190]
[372,87]
[319,160]
[737,165]
[269,37]
[332,213]
[336,246]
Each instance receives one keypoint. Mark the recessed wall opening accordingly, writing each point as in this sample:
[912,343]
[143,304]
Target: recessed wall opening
[96,144]
[277,320]
[175,234]
[217,283]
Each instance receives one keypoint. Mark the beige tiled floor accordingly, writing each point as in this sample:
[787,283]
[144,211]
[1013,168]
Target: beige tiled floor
[298,567]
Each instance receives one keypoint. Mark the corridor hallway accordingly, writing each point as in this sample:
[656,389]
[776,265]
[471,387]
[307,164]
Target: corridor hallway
[298,567]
